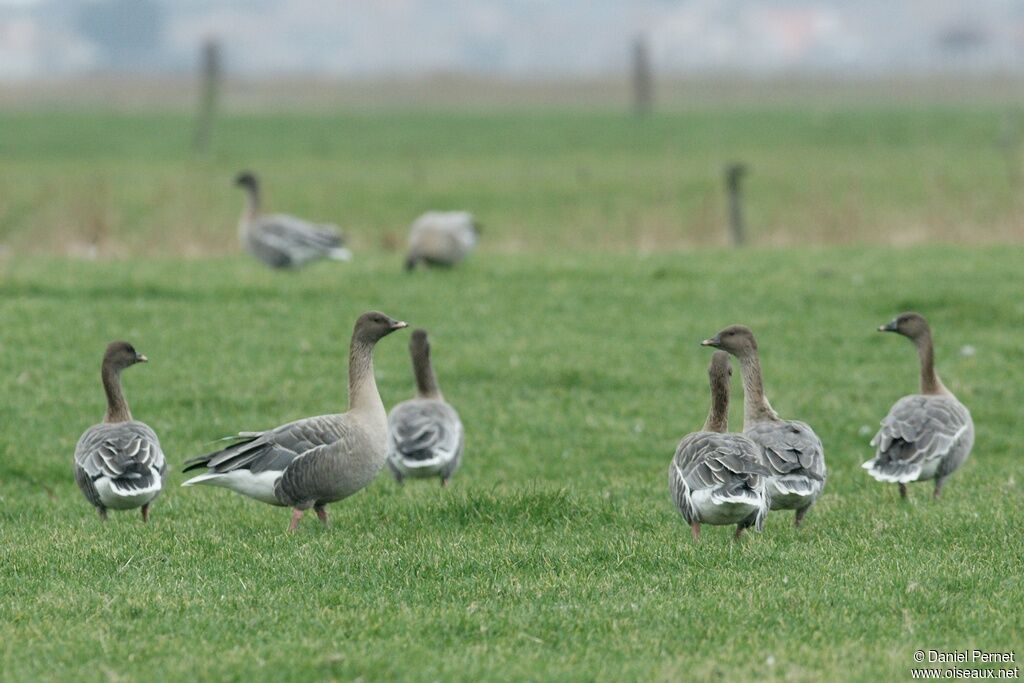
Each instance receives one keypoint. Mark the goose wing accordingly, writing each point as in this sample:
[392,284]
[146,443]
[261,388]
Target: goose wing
[712,459]
[121,451]
[789,447]
[272,450]
[424,432]
[919,433]
[283,240]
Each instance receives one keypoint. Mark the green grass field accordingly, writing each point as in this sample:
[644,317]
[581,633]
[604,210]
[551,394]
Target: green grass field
[556,554]
[570,345]
[72,182]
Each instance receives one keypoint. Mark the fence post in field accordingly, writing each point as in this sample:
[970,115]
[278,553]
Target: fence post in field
[209,84]
[733,176]
[1009,145]
[643,81]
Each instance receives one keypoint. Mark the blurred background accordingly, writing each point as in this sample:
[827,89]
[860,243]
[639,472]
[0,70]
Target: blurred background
[604,124]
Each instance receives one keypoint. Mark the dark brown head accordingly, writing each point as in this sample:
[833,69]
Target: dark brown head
[735,339]
[911,325]
[121,355]
[374,326]
[247,179]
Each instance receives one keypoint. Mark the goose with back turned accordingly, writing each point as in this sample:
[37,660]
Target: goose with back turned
[280,240]
[316,460]
[119,464]
[927,435]
[441,238]
[789,448]
[425,436]
[716,477]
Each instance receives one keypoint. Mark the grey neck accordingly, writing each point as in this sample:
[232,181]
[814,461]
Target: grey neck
[252,201]
[718,415]
[362,385]
[117,406]
[755,404]
[426,381]
[930,382]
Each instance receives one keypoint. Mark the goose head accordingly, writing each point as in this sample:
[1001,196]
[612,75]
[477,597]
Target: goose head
[911,325]
[121,355]
[373,326]
[735,339]
[246,179]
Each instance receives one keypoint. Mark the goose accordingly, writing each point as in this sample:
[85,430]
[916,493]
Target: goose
[316,460]
[282,241]
[926,435]
[715,477]
[118,463]
[789,448]
[441,238]
[425,437]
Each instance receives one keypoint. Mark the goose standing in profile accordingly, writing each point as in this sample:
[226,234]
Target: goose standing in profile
[425,437]
[789,449]
[282,241]
[926,435]
[118,463]
[441,238]
[317,460]
[715,477]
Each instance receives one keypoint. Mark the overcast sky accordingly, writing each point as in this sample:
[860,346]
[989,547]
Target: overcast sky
[367,38]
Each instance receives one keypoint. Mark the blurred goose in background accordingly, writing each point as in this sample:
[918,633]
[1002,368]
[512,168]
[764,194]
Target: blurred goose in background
[425,436]
[317,460]
[716,477]
[789,449]
[441,238]
[283,241]
[118,463]
[926,435]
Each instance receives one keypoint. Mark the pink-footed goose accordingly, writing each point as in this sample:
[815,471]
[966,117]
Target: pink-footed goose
[926,435]
[441,238]
[282,241]
[789,448]
[118,463]
[317,460]
[715,477]
[425,437]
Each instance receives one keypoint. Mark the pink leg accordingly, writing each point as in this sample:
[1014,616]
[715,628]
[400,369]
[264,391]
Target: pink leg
[145,513]
[296,516]
[444,483]
[739,532]
[321,513]
[695,528]
[103,513]
[903,491]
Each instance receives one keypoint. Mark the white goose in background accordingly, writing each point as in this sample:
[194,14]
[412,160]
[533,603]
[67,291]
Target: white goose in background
[425,437]
[118,463]
[316,460]
[441,238]
[789,448]
[715,477]
[927,435]
[280,240]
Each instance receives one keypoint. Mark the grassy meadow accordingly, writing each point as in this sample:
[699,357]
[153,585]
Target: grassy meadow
[570,345]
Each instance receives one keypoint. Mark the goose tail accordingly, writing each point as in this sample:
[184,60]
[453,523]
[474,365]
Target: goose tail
[339,254]
[892,472]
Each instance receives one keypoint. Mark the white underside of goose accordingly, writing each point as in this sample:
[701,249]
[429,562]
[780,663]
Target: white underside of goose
[915,473]
[792,492]
[716,509]
[259,486]
[118,497]
[422,468]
